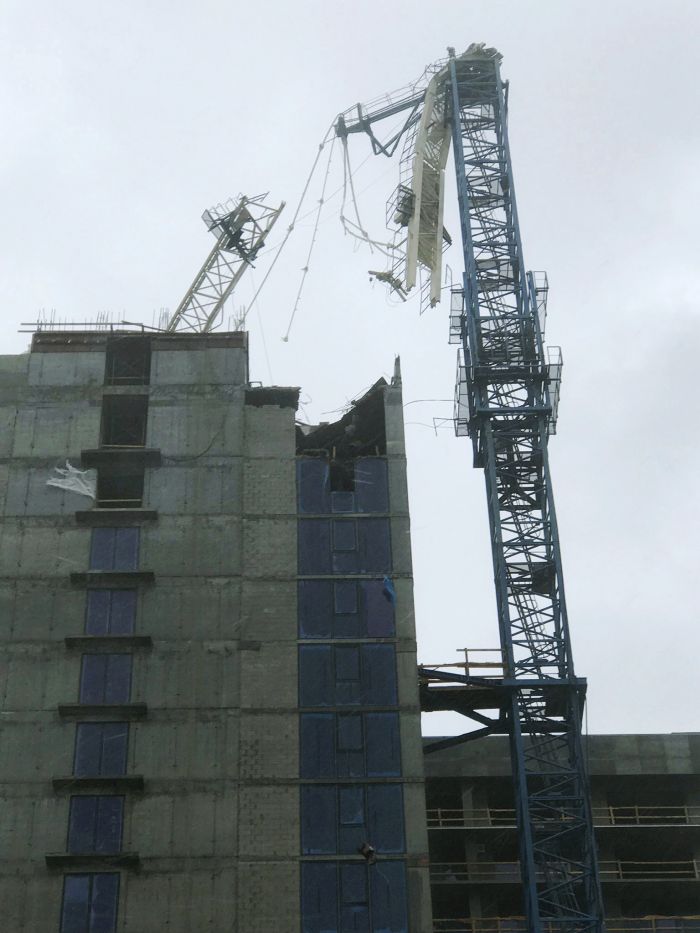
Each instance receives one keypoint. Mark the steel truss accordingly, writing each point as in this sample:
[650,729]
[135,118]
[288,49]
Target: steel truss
[507,404]
[240,228]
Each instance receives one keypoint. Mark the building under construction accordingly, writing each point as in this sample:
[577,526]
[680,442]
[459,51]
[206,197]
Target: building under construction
[211,698]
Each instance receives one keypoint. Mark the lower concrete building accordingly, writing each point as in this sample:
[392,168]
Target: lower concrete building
[210,715]
[646,810]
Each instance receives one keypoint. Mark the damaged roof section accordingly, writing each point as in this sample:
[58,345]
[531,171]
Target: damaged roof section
[361,432]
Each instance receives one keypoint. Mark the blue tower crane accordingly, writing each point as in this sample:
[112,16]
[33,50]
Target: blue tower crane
[506,402]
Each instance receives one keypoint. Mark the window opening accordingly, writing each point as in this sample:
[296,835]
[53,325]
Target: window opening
[120,489]
[100,749]
[124,420]
[105,678]
[128,361]
[90,903]
[110,612]
[342,475]
[95,825]
[114,548]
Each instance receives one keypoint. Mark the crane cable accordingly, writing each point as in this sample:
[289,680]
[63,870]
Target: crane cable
[305,268]
[290,228]
[348,224]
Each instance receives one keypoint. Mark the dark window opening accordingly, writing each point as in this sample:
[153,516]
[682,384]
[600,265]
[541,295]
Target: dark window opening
[114,549]
[342,896]
[342,486]
[100,749]
[342,483]
[105,678]
[120,490]
[95,825]
[90,903]
[110,612]
[128,361]
[124,420]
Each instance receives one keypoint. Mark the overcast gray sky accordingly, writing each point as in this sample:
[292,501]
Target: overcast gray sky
[123,121]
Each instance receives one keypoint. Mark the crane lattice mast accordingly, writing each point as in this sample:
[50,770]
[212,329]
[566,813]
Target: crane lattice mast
[240,228]
[506,402]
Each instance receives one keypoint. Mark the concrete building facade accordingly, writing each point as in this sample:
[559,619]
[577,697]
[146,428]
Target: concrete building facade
[164,766]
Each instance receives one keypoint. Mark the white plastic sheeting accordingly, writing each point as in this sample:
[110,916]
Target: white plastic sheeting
[84,482]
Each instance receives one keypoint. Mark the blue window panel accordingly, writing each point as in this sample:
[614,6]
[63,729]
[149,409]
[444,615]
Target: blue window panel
[379,675]
[347,622]
[346,562]
[105,678]
[315,609]
[314,537]
[352,831]
[316,682]
[319,897]
[382,744]
[105,896]
[348,676]
[374,545]
[126,548]
[385,818]
[379,612]
[114,548]
[95,825]
[345,675]
[371,486]
[354,906]
[350,755]
[389,900]
[319,819]
[343,502]
[100,748]
[110,612]
[317,751]
[97,612]
[346,558]
[75,915]
[345,597]
[313,486]
[349,732]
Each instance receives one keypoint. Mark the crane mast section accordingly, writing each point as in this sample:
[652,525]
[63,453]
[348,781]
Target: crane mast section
[241,228]
[506,399]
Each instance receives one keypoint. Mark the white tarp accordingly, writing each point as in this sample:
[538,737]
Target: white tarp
[84,482]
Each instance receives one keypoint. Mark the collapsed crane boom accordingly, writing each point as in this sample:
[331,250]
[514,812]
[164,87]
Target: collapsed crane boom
[506,402]
[240,228]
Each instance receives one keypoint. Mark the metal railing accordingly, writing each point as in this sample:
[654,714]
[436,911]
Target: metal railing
[493,665]
[620,870]
[633,815]
[613,925]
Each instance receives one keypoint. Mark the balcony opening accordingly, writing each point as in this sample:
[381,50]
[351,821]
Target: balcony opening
[120,489]
[128,361]
[124,420]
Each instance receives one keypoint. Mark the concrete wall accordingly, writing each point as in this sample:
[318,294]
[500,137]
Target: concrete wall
[216,827]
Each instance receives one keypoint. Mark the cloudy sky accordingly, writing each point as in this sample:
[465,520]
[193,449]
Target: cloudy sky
[123,121]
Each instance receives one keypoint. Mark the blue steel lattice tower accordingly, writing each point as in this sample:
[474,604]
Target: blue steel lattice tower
[510,416]
[506,403]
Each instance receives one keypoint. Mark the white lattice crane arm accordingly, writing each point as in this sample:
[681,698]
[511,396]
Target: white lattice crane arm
[241,228]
